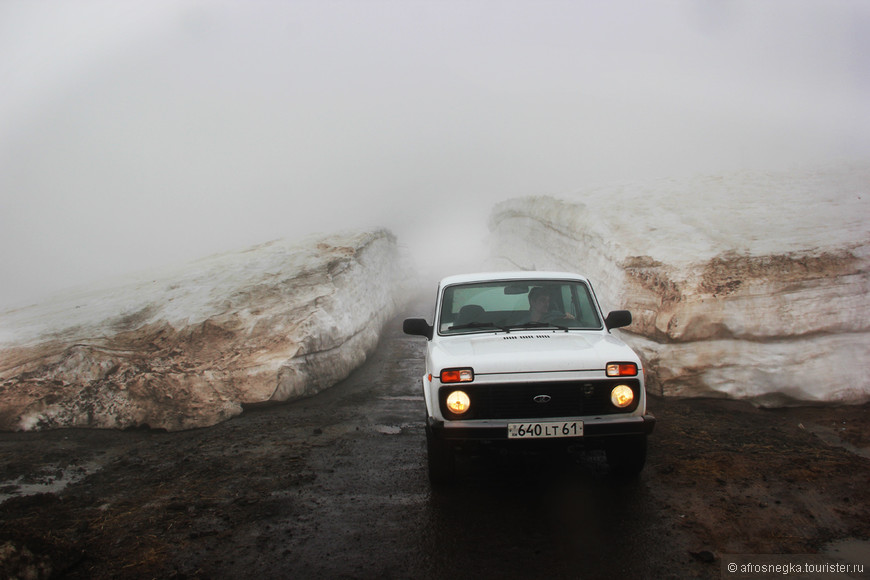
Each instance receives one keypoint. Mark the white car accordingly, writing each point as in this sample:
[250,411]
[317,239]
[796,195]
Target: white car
[516,357]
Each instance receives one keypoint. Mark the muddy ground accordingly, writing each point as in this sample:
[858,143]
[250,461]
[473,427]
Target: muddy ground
[335,486]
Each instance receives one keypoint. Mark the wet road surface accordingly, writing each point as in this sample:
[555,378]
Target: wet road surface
[335,486]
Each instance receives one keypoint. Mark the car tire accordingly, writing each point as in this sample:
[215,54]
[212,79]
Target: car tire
[442,460]
[627,456]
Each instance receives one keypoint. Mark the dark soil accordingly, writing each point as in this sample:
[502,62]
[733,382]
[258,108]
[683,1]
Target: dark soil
[335,486]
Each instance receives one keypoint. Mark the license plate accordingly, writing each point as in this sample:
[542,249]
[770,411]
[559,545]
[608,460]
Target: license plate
[546,430]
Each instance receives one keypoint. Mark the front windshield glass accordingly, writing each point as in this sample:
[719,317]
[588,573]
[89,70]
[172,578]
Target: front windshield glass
[517,304]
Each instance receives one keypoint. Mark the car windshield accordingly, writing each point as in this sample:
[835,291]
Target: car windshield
[516,304]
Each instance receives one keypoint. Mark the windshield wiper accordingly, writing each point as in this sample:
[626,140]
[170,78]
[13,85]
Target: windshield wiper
[477,325]
[536,325]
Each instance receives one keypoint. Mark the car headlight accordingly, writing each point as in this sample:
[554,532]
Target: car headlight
[621,396]
[458,402]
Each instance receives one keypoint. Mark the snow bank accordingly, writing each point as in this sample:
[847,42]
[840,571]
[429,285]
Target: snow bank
[749,285]
[187,348]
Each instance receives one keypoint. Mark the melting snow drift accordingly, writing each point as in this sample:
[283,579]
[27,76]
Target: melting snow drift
[187,349]
[751,286]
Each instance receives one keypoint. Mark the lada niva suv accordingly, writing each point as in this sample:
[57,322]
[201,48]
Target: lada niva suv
[528,358]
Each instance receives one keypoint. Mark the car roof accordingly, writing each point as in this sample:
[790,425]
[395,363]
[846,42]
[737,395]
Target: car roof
[520,275]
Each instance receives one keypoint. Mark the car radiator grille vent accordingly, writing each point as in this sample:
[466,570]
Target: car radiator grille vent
[542,400]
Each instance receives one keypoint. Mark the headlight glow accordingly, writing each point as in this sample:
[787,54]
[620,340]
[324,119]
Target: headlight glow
[621,396]
[458,402]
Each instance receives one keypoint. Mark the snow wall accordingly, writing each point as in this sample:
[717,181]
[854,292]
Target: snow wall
[750,286]
[187,349]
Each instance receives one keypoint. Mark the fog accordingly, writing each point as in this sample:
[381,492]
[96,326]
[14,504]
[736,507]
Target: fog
[140,134]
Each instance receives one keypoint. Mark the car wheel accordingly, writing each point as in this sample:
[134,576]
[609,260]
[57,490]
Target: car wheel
[627,456]
[442,461]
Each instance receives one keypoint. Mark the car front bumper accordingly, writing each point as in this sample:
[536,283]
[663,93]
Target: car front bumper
[595,429]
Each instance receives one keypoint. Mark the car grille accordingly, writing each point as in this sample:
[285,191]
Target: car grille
[517,400]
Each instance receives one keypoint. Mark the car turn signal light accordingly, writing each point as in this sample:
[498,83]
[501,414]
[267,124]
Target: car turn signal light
[457,375]
[621,369]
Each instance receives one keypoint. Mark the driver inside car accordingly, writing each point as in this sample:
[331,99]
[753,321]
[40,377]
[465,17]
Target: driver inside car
[539,307]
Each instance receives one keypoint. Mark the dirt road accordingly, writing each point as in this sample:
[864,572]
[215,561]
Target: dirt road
[335,487]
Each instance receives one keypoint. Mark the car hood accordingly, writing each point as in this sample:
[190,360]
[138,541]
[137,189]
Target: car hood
[530,352]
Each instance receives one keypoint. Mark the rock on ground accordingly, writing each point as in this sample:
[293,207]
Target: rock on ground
[188,348]
[747,285]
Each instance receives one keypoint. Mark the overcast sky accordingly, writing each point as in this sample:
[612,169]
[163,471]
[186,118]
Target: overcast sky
[138,134]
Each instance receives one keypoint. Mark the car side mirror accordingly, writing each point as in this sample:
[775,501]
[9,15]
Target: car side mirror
[617,319]
[417,327]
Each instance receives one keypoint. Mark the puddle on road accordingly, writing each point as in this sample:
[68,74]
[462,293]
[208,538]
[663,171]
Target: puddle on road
[850,551]
[832,438]
[49,479]
[414,398]
[388,429]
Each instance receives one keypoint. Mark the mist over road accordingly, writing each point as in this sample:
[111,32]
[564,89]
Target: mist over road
[139,134]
